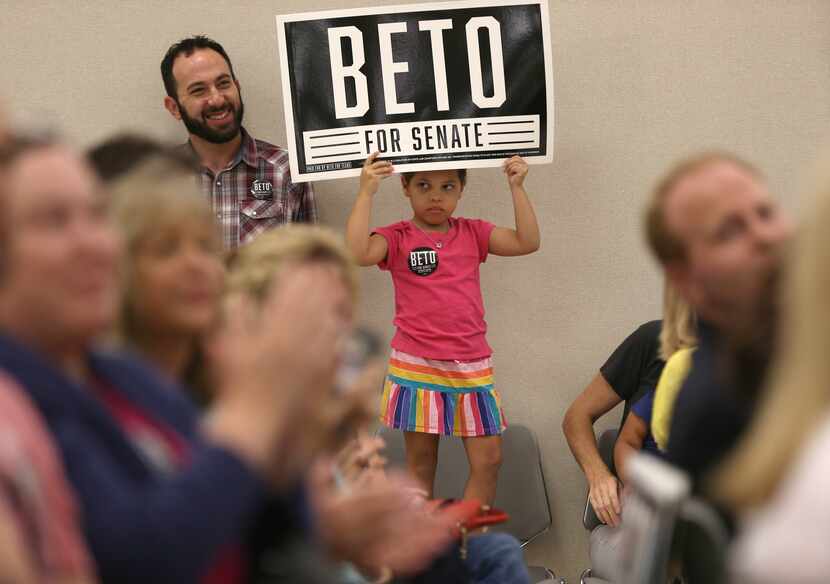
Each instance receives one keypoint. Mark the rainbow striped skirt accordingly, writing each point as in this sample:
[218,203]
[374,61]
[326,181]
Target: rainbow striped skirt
[454,398]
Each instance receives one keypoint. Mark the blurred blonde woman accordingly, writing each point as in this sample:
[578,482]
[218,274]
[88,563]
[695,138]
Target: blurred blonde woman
[397,538]
[678,339]
[779,474]
[256,268]
[349,527]
[40,528]
[172,269]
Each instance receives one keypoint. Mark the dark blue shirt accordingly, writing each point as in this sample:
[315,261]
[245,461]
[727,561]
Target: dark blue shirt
[642,409]
[709,416]
[142,525]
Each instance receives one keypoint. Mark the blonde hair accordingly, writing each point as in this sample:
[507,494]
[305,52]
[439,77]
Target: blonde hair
[157,193]
[254,267]
[679,328]
[664,244]
[798,392]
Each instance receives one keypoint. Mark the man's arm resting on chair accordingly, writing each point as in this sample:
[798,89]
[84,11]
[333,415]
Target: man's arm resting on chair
[630,441]
[596,399]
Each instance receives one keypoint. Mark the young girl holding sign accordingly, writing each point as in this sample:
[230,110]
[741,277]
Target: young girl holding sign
[440,378]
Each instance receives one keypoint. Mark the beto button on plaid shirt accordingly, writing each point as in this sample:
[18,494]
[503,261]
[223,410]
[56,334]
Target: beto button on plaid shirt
[255,193]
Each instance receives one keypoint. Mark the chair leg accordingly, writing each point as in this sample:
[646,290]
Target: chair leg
[552,576]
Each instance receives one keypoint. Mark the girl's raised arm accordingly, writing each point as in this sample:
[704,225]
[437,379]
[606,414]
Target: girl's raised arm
[367,249]
[524,239]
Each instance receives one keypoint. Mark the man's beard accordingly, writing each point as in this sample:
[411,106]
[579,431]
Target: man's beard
[200,128]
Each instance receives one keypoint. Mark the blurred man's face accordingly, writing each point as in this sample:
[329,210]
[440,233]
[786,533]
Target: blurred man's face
[58,280]
[732,231]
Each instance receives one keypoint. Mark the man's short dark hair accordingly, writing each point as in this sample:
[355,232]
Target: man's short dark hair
[186,47]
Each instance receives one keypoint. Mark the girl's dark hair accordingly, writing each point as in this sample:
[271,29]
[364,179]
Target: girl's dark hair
[461,172]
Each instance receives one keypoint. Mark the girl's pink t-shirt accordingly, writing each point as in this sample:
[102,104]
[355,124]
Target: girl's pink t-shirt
[439,310]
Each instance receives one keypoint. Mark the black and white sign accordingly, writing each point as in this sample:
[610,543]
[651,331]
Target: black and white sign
[430,86]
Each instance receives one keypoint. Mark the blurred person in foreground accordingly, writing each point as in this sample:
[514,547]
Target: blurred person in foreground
[172,270]
[40,534]
[360,480]
[166,496]
[718,233]
[778,476]
[173,277]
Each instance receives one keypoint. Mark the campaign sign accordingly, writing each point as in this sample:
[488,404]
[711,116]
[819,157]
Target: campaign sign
[429,86]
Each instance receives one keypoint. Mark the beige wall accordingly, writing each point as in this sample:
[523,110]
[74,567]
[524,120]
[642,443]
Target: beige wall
[638,83]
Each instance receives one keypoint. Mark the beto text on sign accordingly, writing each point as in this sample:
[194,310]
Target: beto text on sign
[430,86]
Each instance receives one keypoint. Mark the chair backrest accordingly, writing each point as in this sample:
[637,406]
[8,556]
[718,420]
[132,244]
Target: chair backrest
[702,539]
[521,489]
[650,510]
[605,445]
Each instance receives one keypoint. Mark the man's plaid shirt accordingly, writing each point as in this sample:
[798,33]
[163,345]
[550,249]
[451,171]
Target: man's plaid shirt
[255,193]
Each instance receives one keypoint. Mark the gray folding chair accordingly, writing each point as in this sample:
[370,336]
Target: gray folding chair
[521,490]
[650,512]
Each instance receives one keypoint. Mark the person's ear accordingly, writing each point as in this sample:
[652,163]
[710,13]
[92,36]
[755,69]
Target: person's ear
[172,106]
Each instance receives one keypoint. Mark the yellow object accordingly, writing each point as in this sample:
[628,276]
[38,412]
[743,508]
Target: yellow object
[671,380]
